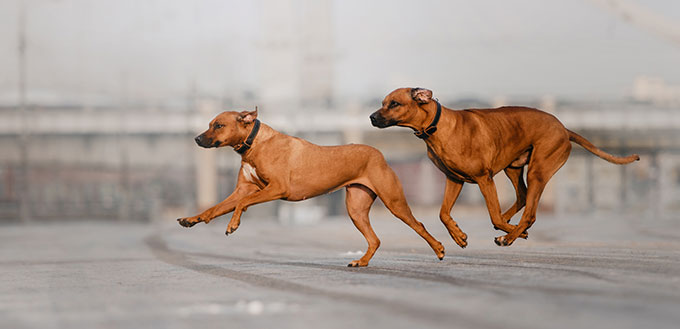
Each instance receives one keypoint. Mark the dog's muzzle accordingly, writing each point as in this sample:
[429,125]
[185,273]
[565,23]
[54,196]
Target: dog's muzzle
[204,142]
[378,121]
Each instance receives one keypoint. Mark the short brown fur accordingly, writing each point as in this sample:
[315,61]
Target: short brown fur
[474,145]
[278,166]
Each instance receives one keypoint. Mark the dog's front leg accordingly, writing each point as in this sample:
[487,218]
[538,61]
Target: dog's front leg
[269,193]
[242,190]
[451,194]
[488,189]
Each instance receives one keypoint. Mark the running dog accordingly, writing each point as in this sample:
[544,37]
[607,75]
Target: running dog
[277,166]
[471,146]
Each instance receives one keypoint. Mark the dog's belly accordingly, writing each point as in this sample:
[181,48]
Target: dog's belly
[453,172]
[302,190]
[300,194]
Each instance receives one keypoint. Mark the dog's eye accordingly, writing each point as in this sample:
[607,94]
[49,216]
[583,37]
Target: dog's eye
[218,126]
[393,104]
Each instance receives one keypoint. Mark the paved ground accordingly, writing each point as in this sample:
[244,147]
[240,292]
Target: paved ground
[573,272]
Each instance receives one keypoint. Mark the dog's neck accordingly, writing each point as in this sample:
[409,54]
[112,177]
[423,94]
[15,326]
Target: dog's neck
[422,119]
[431,127]
[265,132]
[247,143]
[447,121]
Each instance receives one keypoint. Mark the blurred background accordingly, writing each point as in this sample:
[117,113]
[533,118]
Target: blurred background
[100,100]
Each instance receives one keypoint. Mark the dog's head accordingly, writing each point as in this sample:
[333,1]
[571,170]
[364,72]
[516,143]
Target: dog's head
[227,129]
[400,106]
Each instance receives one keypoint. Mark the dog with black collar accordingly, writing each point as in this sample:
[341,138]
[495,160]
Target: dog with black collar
[277,166]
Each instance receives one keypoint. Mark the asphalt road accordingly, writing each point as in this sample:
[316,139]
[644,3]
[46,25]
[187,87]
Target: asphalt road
[572,272]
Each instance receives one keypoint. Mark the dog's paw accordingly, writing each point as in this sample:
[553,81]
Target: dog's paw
[460,238]
[439,250]
[230,230]
[502,241]
[357,263]
[188,222]
[524,235]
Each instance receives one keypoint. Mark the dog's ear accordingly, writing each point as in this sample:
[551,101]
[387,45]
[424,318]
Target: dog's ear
[247,116]
[421,95]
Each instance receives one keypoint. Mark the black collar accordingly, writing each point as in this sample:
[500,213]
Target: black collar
[429,130]
[245,146]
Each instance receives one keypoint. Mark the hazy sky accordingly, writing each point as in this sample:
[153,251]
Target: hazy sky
[79,50]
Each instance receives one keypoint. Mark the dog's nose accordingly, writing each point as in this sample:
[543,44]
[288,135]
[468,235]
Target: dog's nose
[374,119]
[198,139]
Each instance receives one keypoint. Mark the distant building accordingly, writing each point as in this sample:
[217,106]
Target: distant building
[121,163]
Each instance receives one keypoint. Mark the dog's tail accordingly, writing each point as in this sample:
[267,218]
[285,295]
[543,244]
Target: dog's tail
[578,139]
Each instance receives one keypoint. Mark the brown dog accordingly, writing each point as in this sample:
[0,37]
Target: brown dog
[474,145]
[278,166]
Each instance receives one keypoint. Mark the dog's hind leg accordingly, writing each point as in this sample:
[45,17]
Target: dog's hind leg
[544,164]
[358,201]
[389,190]
[515,176]
[450,196]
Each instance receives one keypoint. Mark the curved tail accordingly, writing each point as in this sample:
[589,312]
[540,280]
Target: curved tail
[578,139]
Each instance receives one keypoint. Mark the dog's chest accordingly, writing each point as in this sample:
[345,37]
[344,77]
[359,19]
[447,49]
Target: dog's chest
[449,168]
[249,173]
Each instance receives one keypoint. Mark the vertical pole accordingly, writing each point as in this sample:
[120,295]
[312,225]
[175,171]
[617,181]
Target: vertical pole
[122,136]
[23,188]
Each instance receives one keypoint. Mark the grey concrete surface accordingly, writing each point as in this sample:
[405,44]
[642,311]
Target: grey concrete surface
[577,271]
